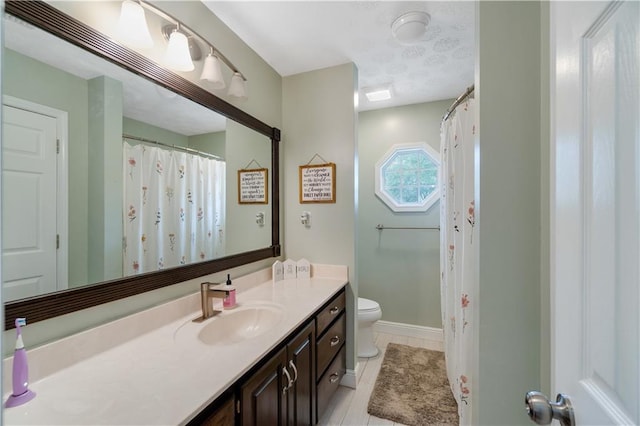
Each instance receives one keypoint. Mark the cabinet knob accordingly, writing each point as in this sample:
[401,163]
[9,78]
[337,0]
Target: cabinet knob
[334,377]
[334,341]
[334,310]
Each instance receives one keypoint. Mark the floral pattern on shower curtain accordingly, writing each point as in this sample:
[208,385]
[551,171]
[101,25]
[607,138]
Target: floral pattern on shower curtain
[174,208]
[458,281]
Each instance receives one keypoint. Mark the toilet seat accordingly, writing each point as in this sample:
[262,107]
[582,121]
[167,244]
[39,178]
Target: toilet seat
[366,305]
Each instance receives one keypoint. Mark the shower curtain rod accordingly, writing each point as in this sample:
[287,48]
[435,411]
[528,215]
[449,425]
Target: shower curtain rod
[458,101]
[176,147]
[380,227]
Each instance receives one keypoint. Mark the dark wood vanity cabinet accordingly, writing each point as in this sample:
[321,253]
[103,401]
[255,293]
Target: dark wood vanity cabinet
[295,383]
[282,392]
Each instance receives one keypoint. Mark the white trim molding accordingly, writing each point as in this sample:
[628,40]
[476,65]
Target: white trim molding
[350,378]
[409,330]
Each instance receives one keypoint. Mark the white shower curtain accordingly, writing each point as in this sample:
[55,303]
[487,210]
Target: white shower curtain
[457,255]
[174,208]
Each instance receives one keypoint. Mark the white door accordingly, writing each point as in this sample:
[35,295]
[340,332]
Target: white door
[595,209]
[29,216]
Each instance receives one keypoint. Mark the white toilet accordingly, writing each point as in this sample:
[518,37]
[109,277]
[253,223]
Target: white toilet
[368,313]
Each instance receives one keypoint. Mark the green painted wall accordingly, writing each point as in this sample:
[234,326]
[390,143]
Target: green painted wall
[320,118]
[545,197]
[243,147]
[37,82]
[399,269]
[213,143]
[147,131]
[105,179]
[508,191]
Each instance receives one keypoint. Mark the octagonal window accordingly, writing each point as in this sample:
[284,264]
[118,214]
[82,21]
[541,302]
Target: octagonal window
[407,177]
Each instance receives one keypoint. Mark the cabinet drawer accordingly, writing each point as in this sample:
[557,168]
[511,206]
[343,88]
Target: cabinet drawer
[330,343]
[329,313]
[330,381]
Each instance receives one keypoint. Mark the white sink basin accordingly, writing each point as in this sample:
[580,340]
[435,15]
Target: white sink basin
[245,321]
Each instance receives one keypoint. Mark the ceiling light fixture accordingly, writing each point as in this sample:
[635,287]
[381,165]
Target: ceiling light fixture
[409,27]
[376,95]
[177,56]
[132,26]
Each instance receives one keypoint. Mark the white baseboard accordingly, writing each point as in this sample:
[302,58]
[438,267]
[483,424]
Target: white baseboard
[350,378]
[409,330]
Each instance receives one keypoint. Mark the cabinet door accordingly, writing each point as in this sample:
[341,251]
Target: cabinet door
[223,416]
[263,395]
[301,364]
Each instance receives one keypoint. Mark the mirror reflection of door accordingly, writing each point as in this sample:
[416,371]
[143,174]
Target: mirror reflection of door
[32,258]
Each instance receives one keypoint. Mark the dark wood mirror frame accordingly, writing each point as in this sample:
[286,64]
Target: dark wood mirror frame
[44,307]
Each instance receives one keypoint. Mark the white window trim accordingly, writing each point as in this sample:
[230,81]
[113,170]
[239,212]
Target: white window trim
[389,201]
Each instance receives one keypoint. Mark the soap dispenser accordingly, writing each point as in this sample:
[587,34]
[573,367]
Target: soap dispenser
[229,301]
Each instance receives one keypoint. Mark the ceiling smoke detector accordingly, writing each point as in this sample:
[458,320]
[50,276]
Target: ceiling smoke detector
[409,27]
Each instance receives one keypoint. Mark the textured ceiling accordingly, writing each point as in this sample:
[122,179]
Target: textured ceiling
[300,36]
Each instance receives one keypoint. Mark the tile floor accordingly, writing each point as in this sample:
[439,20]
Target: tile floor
[349,406]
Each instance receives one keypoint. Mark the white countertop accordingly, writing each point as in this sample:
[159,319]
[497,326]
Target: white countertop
[165,376]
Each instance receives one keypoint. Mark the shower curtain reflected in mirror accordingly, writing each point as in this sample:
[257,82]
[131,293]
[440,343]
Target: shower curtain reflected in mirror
[457,252]
[174,208]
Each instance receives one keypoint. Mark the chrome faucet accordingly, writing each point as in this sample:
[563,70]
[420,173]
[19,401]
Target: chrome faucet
[210,291]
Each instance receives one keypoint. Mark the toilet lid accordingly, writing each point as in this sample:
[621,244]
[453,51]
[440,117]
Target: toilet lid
[367,305]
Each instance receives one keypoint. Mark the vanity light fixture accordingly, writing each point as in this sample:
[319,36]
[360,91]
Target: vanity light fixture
[177,56]
[182,48]
[132,28]
[380,94]
[211,71]
[238,87]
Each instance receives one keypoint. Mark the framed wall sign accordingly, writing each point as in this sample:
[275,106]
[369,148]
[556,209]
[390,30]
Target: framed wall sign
[252,186]
[317,183]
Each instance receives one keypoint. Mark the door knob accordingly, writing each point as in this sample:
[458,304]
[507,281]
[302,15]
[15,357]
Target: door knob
[542,411]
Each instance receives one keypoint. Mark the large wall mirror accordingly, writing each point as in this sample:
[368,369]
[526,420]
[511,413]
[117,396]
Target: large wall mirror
[118,121]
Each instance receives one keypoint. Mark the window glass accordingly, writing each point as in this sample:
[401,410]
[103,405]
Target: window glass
[407,177]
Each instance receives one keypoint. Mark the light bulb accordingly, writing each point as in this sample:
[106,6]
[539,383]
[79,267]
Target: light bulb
[177,56]
[212,72]
[132,27]
[237,86]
